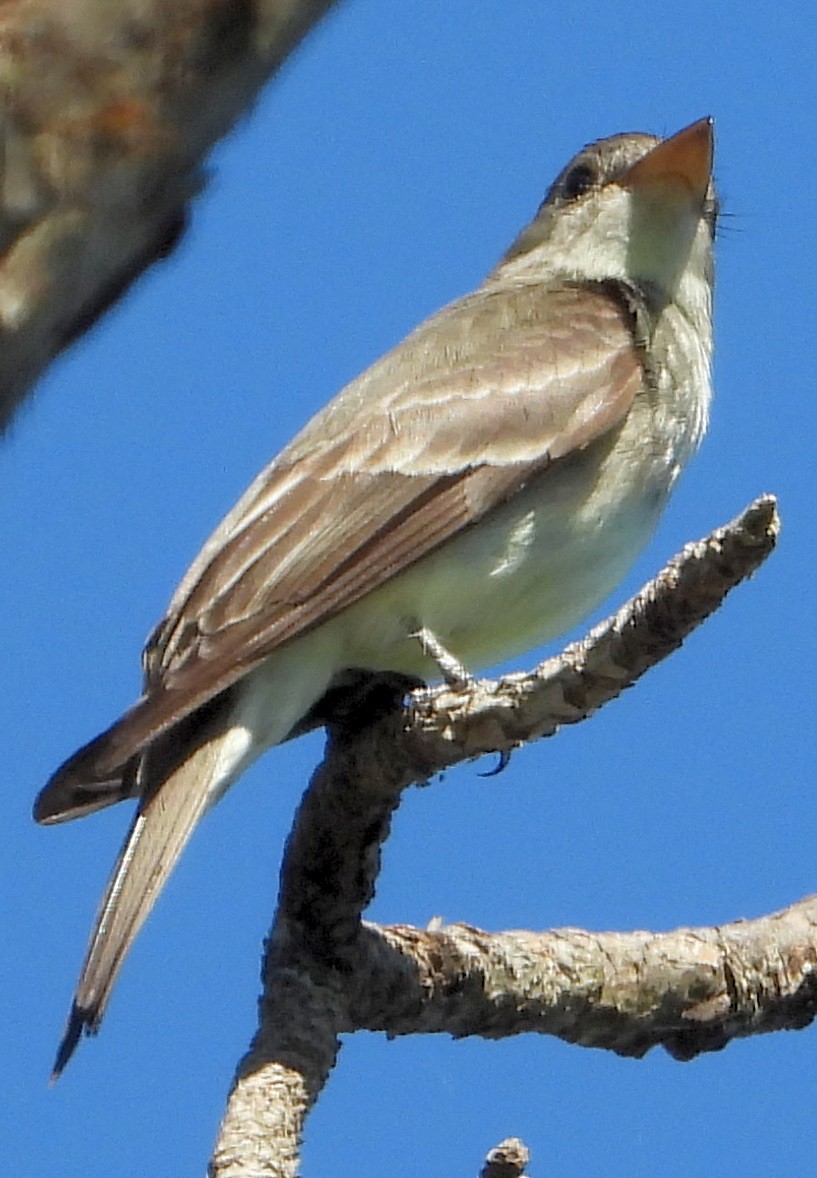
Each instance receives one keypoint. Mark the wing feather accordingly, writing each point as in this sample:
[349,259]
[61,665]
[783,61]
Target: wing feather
[471,406]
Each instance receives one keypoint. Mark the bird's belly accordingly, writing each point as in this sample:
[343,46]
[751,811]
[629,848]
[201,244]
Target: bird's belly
[525,574]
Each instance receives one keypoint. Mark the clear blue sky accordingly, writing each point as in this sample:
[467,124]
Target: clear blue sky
[381,176]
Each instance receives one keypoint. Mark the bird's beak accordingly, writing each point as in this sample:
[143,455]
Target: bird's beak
[684,160]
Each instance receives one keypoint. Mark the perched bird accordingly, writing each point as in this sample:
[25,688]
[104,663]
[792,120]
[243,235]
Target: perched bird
[477,491]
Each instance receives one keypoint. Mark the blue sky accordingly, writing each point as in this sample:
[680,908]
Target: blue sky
[383,175]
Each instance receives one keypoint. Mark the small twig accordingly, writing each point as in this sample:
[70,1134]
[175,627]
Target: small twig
[506,1160]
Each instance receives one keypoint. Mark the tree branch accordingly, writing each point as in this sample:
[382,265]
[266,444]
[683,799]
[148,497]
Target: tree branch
[327,972]
[689,991]
[108,111]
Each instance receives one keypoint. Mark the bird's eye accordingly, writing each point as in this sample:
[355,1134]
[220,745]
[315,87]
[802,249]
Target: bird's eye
[578,181]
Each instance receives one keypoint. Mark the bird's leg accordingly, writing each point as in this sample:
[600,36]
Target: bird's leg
[453,672]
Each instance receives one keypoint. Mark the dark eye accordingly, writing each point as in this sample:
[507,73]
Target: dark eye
[578,181]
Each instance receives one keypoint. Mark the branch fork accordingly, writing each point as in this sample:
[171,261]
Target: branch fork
[328,972]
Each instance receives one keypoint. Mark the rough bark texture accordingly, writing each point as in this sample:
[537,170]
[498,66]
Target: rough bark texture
[270,1104]
[108,111]
[328,972]
[689,991]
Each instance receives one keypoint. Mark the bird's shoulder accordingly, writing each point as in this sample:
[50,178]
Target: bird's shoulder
[422,444]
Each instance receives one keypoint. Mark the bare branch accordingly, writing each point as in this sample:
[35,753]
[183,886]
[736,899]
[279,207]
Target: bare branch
[327,972]
[281,1077]
[108,110]
[689,991]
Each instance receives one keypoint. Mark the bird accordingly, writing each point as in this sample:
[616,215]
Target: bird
[477,491]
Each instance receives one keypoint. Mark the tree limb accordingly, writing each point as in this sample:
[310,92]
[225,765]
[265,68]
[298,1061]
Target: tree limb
[108,111]
[689,991]
[328,972]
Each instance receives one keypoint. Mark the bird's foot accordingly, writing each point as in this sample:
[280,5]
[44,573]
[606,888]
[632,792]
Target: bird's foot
[453,672]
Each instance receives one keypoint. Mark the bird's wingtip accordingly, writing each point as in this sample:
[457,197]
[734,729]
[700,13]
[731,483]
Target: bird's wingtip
[77,789]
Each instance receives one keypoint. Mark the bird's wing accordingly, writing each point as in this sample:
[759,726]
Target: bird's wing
[454,421]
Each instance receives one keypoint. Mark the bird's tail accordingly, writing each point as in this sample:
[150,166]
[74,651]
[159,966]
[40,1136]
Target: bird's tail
[176,791]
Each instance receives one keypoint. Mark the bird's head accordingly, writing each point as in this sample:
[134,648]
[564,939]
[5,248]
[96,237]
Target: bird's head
[632,208]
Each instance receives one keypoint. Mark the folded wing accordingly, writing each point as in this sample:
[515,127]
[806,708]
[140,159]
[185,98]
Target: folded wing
[473,404]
